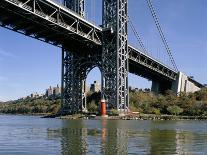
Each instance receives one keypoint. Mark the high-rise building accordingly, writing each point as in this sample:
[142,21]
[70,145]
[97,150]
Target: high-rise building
[56,90]
[49,91]
[53,91]
[95,87]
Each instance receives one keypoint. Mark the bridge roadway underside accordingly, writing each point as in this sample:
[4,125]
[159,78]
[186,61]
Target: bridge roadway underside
[49,26]
[61,27]
[151,75]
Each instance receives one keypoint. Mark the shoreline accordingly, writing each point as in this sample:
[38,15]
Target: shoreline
[138,117]
[126,117]
[19,114]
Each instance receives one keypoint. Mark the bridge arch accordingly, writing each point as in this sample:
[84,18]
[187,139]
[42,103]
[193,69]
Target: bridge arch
[93,90]
[83,68]
[76,67]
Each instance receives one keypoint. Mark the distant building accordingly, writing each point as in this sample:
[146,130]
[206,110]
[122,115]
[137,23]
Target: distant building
[131,89]
[56,90]
[32,95]
[146,90]
[49,91]
[136,89]
[95,87]
[35,95]
[87,89]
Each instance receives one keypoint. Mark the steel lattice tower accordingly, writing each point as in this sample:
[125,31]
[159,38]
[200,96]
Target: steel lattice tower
[73,73]
[112,61]
[115,53]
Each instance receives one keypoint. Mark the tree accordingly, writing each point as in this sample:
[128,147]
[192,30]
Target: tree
[174,110]
[92,107]
[201,95]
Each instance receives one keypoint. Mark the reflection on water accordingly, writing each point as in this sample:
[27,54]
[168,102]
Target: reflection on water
[163,142]
[33,135]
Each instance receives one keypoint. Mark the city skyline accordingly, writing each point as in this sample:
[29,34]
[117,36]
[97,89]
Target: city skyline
[29,63]
[56,90]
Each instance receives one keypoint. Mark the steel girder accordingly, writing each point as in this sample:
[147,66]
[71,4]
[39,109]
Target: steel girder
[155,69]
[50,17]
[24,16]
[115,54]
[76,5]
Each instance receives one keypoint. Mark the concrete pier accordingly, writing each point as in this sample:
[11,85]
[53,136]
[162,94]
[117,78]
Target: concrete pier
[183,83]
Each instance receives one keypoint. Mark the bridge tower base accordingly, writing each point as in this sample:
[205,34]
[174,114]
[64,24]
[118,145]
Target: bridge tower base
[75,68]
[71,84]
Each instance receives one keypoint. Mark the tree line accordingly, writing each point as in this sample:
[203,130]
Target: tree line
[191,104]
[31,106]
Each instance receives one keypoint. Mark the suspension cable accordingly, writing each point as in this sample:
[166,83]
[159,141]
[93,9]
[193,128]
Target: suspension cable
[93,11]
[157,23]
[137,35]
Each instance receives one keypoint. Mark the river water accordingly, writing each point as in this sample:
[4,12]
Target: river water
[32,135]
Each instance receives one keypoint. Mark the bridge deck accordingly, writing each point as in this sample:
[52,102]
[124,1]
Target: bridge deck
[49,22]
[52,23]
[147,67]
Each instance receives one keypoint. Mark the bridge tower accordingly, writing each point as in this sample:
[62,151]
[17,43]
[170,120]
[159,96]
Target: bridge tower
[115,54]
[112,61]
[77,6]
[73,72]
[76,64]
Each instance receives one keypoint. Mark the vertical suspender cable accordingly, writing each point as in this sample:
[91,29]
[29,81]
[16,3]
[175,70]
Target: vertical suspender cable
[154,15]
[137,36]
[94,10]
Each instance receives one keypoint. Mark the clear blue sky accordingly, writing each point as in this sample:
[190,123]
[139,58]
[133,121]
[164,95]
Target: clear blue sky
[28,65]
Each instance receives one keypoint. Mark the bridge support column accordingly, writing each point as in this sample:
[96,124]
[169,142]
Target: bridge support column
[159,87]
[155,87]
[72,85]
[75,68]
[185,84]
[115,54]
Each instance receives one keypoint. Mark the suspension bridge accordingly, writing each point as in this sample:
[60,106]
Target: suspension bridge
[85,46]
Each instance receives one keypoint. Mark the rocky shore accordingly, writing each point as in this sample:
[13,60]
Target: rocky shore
[134,117]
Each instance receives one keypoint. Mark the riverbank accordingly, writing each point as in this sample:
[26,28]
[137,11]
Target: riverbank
[148,106]
[123,117]
[134,117]
[28,114]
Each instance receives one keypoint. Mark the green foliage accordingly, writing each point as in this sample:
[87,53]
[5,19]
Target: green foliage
[156,111]
[93,107]
[114,112]
[191,104]
[45,105]
[174,110]
[201,95]
[31,106]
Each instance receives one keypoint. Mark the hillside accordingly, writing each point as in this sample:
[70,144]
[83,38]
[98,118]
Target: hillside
[193,104]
